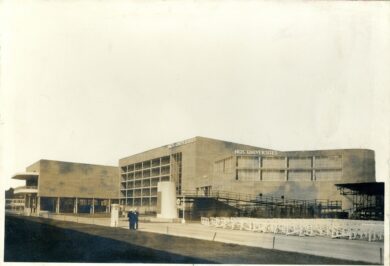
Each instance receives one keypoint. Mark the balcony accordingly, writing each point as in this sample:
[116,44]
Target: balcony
[26,190]
[14,202]
[26,175]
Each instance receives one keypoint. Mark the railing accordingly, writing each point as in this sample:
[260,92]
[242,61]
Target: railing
[332,228]
[227,195]
[26,189]
[14,202]
[219,194]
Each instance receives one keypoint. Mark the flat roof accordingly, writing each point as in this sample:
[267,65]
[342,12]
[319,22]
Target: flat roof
[191,140]
[58,161]
[25,175]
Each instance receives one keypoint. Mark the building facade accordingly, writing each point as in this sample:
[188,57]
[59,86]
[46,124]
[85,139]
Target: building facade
[197,166]
[305,175]
[188,163]
[68,187]
[202,165]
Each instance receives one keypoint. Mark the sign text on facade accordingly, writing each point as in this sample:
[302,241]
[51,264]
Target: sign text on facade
[255,152]
[176,144]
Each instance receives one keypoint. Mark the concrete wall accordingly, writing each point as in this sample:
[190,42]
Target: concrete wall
[207,152]
[188,159]
[65,179]
[197,161]
[35,167]
[144,156]
[358,165]
[199,155]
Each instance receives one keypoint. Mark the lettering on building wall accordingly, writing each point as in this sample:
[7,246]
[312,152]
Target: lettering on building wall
[176,144]
[255,152]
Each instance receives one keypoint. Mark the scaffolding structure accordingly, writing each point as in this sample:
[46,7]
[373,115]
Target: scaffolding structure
[367,199]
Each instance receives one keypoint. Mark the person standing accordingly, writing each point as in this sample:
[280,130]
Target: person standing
[135,219]
[130,216]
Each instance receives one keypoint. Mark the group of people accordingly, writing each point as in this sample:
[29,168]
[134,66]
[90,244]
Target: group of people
[133,219]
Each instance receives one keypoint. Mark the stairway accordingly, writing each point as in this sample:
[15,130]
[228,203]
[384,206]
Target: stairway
[224,203]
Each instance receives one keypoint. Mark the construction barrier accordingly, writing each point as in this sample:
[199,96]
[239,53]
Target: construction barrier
[333,228]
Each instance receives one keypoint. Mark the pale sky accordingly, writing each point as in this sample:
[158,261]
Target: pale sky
[96,81]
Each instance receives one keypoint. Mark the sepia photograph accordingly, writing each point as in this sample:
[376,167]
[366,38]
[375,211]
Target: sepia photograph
[194,132]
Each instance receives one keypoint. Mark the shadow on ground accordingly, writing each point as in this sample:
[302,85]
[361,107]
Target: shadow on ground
[27,241]
[41,240]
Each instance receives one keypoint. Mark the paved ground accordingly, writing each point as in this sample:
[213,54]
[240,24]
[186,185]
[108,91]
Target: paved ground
[36,239]
[358,250]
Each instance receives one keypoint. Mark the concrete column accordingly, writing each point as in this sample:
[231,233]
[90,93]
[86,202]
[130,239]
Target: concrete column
[93,205]
[167,199]
[58,205]
[259,166]
[109,206]
[34,204]
[38,204]
[75,207]
[28,205]
[286,171]
[313,164]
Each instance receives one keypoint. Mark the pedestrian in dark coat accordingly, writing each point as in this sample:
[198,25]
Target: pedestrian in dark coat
[135,219]
[130,216]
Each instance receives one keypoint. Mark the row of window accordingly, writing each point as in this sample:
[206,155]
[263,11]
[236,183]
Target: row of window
[156,162]
[306,162]
[255,162]
[144,182]
[139,201]
[146,192]
[165,170]
[176,171]
[141,179]
[291,175]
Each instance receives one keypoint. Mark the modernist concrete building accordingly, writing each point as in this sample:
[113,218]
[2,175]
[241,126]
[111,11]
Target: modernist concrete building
[67,187]
[204,165]
[202,168]
[189,163]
